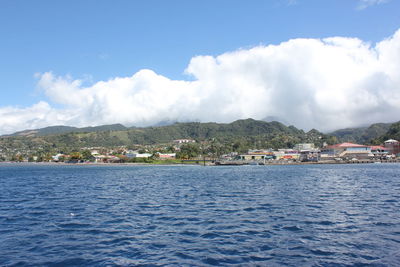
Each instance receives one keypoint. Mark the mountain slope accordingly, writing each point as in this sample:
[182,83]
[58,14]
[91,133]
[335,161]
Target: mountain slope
[392,133]
[242,133]
[362,135]
[51,130]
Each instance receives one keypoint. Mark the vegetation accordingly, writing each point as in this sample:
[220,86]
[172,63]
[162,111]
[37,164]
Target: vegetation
[392,133]
[362,135]
[212,138]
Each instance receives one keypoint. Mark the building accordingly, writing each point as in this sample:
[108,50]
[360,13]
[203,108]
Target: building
[287,154]
[184,141]
[392,146]
[134,154]
[257,155]
[310,155]
[94,152]
[379,152]
[100,158]
[306,146]
[166,155]
[346,151]
[57,157]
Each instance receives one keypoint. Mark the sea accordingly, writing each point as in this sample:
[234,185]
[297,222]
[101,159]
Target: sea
[290,215]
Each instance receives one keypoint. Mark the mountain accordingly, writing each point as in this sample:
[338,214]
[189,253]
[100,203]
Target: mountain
[68,129]
[110,127]
[275,118]
[362,135]
[241,134]
[392,133]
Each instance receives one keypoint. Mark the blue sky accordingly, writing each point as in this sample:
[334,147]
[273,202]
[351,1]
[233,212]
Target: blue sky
[99,40]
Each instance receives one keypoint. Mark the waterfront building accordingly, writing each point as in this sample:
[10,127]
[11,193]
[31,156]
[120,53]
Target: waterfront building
[310,155]
[166,155]
[346,151]
[257,155]
[392,146]
[57,157]
[287,154]
[305,146]
[379,152]
[135,154]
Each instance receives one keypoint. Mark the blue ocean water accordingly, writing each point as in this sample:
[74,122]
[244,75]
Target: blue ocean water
[308,215]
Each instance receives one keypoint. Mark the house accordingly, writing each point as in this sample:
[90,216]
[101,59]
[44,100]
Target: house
[57,157]
[94,152]
[113,159]
[346,151]
[100,158]
[184,141]
[166,155]
[135,154]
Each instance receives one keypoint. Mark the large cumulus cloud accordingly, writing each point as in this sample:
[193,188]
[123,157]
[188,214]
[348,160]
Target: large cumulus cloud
[312,83]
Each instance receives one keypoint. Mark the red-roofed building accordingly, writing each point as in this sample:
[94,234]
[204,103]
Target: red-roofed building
[346,145]
[346,151]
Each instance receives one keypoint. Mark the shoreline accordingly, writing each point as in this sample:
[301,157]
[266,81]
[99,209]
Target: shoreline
[89,164]
[8,163]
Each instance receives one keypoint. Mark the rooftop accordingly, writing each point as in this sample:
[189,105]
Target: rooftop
[345,145]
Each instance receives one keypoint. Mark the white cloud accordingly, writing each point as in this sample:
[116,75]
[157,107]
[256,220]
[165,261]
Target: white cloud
[36,116]
[325,84]
[363,4]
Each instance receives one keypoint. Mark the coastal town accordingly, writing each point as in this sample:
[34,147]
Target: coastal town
[189,151]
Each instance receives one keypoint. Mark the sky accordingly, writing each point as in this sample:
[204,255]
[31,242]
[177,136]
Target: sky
[314,64]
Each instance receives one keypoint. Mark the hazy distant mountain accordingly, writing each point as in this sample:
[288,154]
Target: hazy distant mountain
[51,130]
[362,135]
[163,123]
[275,118]
[110,127]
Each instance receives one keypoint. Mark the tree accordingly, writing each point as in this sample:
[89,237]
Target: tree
[87,155]
[189,151]
[75,156]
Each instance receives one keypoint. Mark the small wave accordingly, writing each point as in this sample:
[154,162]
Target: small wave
[210,235]
[189,233]
[292,228]
[320,252]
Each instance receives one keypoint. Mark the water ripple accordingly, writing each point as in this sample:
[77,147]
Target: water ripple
[329,215]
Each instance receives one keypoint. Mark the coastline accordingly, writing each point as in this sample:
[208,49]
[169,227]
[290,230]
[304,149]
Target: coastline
[9,163]
[90,164]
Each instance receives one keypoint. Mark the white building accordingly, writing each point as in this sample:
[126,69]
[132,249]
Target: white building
[166,155]
[184,141]
[305,146]
[135,154]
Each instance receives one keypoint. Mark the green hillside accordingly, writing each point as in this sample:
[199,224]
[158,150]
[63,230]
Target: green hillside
[392,133]
[236,136]
[362,135]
